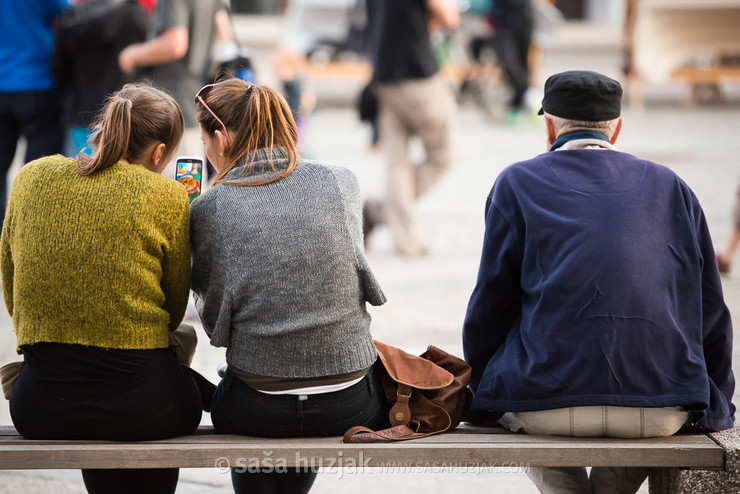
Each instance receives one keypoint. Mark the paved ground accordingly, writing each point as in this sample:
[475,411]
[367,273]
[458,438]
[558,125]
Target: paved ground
[428,296]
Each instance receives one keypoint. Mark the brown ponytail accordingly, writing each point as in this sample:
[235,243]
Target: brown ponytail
[133,119]
[257,117]
[111,139]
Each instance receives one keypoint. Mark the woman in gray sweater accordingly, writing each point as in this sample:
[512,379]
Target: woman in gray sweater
[281,281]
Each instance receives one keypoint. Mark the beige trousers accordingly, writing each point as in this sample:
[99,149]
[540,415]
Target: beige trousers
[621,422]
[423,108]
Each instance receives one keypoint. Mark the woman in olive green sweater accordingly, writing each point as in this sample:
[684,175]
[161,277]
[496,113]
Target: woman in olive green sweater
[95,265]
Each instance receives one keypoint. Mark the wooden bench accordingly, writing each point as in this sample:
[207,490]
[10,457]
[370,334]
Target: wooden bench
[707,78]
[468,448]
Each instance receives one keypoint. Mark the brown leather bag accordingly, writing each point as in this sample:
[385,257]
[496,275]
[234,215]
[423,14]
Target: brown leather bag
[429,394]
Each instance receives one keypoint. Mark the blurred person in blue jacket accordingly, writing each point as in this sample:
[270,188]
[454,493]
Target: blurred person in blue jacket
[598,309]
[30,106]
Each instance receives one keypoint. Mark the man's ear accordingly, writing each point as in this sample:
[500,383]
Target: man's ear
[617,131]
[550,131]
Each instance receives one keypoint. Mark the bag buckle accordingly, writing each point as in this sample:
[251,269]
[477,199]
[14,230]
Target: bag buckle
[401,394]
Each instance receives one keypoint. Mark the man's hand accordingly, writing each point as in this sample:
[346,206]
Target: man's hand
[169,46]
[127,60]
[443,14]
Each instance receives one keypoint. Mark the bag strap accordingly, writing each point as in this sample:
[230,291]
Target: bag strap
[360,434]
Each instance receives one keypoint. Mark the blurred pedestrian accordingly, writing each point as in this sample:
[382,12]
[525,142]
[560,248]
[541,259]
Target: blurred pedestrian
[367,108]
[177,56]
[30,105]
[289,68]
[148,5]
[727,254]
[513,25]
[415,100]
[300,31]
[89,38]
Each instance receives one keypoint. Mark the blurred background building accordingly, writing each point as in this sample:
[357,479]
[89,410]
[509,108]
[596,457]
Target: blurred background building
[684,51]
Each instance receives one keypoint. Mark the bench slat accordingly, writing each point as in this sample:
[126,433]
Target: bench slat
[152,455]
[207,435]
[467,447]
[450,438]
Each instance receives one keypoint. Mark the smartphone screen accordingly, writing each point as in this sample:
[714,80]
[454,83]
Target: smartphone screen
[189,172]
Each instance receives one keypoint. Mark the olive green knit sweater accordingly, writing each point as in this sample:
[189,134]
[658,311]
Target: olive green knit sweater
[100,260]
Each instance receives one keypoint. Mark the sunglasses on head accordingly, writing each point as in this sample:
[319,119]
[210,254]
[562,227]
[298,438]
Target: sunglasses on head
[199,98]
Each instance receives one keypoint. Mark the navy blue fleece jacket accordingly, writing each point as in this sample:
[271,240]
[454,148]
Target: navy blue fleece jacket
[598,285]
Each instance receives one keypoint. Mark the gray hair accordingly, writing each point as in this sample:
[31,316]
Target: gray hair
[564,125]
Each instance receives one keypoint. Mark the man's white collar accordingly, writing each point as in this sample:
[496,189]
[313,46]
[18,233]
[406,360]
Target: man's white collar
[586,144]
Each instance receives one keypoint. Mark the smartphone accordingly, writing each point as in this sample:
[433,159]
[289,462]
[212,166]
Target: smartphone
[189,172]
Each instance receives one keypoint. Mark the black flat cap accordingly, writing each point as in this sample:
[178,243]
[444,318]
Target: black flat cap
[582,95]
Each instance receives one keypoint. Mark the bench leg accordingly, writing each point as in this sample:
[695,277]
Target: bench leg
[677,481]
[674,480]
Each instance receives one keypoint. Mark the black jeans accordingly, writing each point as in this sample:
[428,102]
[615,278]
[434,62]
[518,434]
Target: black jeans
[76,392]
[239,409]
[512,50]
[35,115]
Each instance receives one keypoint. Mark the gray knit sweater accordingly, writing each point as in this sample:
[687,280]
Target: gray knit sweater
[279,271]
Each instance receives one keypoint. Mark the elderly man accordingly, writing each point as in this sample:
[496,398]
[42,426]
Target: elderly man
[598,309]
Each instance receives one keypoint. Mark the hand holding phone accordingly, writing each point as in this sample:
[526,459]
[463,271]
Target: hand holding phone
[189,172]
